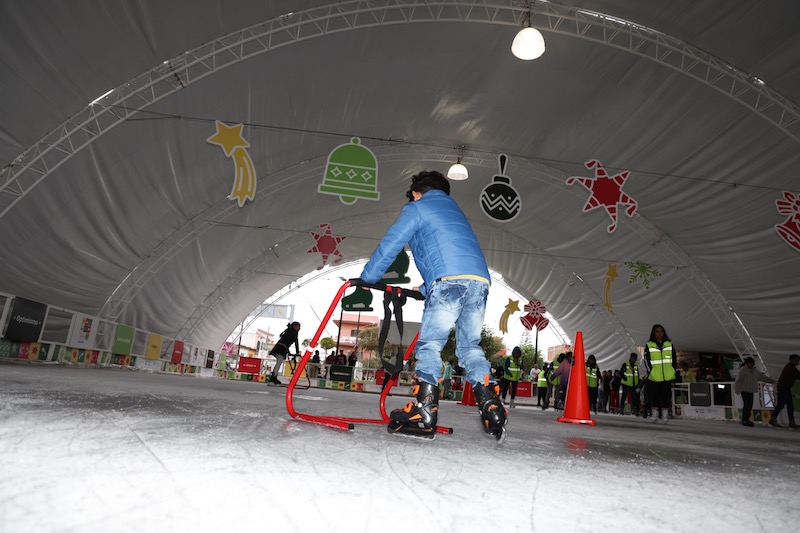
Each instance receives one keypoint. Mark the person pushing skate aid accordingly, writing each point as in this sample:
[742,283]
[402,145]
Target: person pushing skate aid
[456,285]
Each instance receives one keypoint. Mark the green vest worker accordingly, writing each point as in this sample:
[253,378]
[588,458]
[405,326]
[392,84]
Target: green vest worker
[659,356]
[512,372]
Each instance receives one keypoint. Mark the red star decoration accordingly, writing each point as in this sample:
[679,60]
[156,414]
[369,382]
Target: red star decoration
[326,245]
[606,192]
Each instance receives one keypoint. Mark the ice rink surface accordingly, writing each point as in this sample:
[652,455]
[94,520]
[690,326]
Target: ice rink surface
[106,449]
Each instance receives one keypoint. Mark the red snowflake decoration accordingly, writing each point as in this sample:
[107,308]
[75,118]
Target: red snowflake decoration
[789,229]
[326,245]
[606,192]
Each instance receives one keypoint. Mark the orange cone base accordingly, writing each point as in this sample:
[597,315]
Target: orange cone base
[467,397]
[587,421]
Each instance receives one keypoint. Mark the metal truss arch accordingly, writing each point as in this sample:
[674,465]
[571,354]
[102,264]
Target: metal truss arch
[79,131]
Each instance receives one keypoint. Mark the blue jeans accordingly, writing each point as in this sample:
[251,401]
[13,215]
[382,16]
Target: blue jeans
[459,302]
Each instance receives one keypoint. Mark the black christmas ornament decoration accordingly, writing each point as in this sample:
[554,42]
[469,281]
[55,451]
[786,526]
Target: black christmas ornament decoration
[499,200]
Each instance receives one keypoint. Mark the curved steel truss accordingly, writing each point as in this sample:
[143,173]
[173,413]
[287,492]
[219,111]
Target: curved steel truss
[113,108]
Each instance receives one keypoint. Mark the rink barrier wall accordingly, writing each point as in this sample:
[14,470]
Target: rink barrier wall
[722,403]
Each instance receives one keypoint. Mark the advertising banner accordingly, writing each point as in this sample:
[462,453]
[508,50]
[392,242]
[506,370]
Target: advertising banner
[700,394]
[154,343]
[84,331]
[177,352]
[27,320]
[210,359]
[123,340]
[228,348]
[198,357]
[249,365]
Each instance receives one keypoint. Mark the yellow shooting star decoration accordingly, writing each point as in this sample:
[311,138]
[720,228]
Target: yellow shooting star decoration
[611,275]
[512,307]
[233,144]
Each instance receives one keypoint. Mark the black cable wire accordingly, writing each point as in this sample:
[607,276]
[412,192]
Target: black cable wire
[639,172]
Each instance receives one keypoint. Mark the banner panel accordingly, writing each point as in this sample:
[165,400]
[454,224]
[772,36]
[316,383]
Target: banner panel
[123,340]
[84,331]
[27,320]
[153,350]
[249,365]
[177,352]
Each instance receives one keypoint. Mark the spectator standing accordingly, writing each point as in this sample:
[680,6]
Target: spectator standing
[313,369]
[659,356]
[603,391]
[447,377]
[592,380]
[512,373]
[746,384]
[688,375]
[562,374]
[615,382]
[353,358]
[786,380]
[535,380]
[629,373]
[554,382]
[542,387]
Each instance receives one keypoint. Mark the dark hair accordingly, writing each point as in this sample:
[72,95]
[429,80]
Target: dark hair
[749,360]
[633,354]
[794,356]
[653,333]
[428,181]
[516,351]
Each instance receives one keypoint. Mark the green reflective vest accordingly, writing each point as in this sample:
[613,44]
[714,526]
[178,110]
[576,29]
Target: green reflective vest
[631,377]
[661,362]
[555,381]
[542,381]
[513,371]
[591,377]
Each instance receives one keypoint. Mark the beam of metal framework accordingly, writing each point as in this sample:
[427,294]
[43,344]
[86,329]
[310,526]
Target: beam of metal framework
[79,131]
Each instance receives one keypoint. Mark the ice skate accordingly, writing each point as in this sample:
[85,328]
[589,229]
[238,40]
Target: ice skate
[417,418]
[493,414]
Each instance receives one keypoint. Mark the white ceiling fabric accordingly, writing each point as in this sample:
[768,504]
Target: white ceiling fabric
[136,226]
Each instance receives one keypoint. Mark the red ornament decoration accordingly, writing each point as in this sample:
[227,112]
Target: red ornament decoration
[606,192]
[326,245]
[789,229]
[534,316]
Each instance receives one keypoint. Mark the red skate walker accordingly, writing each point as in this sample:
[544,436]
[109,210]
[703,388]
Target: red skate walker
[341,422]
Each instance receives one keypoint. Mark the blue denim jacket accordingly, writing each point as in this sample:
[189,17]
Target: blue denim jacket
[440,238]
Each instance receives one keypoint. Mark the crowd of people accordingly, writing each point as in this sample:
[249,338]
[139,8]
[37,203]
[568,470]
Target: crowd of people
[640,388]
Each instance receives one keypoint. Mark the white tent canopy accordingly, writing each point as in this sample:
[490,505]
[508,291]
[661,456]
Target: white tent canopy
[120,208]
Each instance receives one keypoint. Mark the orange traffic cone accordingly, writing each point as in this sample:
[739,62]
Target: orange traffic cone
[576,407]
[468,397]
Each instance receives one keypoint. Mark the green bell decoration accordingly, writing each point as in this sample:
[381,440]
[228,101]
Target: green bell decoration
[351,173]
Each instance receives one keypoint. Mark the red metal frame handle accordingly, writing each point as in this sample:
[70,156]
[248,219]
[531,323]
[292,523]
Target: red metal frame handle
[346,422]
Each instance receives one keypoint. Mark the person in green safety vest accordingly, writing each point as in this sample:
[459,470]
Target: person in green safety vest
[541,386]
[447,377]
[630,384]
[553,383]
[660,360]
[592,380]
[512,373]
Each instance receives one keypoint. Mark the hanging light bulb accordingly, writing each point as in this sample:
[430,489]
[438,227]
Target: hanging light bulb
[458,172]
[529,42]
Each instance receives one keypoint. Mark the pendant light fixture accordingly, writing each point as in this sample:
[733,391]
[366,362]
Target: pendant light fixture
[529,42]
[458,172]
